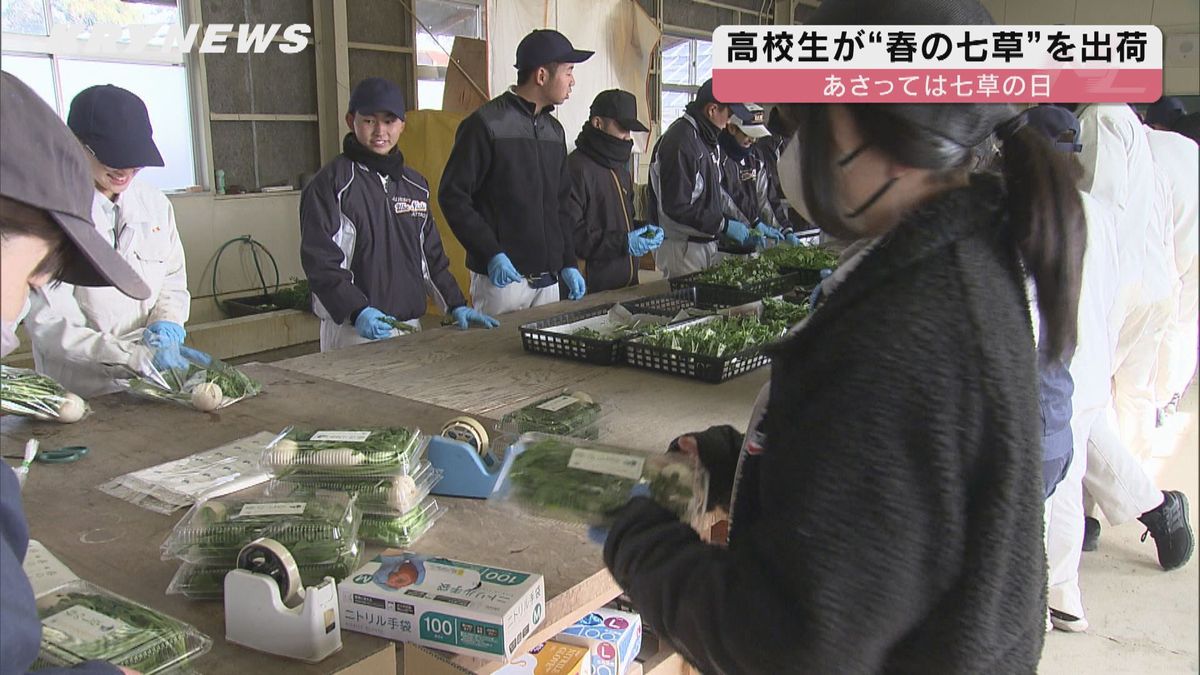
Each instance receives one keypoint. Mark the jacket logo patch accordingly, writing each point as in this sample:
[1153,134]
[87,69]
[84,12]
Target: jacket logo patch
[403,205]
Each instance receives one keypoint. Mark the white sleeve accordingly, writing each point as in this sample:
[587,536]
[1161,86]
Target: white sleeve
[56,325]
[174,301]
[1105,158]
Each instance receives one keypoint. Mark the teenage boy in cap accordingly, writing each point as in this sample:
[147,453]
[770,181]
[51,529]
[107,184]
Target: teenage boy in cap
[746,175]
[506,188]
[89,338]
[607,240]
[46,234]
[686,167]
[368,241]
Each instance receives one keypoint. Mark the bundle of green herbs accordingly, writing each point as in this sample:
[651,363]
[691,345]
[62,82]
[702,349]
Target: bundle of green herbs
[204,387]
[403,530]
[315,526]
[26,393]
[578,482]
[362,453]
[739,272]
[790,313]
[801,257]
[565,414]
[717,337]
[82,622]
[398,325]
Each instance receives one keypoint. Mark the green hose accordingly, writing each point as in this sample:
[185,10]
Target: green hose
[254,246]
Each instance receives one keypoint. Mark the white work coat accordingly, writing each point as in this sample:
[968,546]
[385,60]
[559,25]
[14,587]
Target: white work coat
[83,336]
[1178,159]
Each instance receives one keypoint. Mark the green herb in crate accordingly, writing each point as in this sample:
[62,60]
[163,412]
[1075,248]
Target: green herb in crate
[789,313]
[801,257]
[357,453]
[573,414]
[567,480]
[718,337]
[81,623]
[315,526]
[739,272]
[613,332]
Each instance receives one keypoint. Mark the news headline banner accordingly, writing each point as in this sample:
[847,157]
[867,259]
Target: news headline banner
[938,64]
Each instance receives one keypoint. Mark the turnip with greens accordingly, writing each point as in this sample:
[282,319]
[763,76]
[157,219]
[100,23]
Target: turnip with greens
[26,393]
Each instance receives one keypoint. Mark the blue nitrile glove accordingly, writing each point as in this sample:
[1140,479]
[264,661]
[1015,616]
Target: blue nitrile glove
[575,283]
[501,271]
[792,239]
[639,245]
[371,326]
[163,332]
[767,232]
[465,316]
[599,533]
[167,357]
[740,233]
[195,356]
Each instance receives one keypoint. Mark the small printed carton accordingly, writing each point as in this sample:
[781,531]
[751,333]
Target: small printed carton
[486,612]
[613,639]
[551,658]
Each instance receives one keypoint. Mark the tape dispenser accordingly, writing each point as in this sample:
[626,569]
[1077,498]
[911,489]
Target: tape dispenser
[267,607]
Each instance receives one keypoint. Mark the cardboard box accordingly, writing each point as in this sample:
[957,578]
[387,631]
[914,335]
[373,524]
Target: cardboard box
[486,612]
[613,639]
[551,658]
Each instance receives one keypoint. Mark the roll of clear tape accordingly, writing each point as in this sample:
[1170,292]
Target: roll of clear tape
[468,430]
[269,557]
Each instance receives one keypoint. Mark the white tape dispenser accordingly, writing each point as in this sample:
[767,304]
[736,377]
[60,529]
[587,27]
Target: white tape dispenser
[268,609]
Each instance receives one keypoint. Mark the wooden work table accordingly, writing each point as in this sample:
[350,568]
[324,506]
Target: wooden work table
[115,544]
[486,372]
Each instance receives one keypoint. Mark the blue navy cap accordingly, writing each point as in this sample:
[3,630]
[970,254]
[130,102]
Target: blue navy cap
[545,46]
[1165,111]
[376,95]
[1053,121]
[705,95]
[113,123]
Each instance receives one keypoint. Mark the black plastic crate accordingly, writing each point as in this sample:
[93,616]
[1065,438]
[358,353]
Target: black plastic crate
[712,369]
[666,304]
[808,278]
[711,296]
[537,340]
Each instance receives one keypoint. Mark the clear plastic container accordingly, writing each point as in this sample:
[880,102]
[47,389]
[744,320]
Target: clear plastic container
[83,622]
[566,413]
[207,582]
[347,453]
[584,482]
[317,526]
[404,530]
[390,496]
[207,386]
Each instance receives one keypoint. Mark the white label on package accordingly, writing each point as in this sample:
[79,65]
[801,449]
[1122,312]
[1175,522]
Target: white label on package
[341,436]
[272,509]
[83,626]
[609,463]
[556,404]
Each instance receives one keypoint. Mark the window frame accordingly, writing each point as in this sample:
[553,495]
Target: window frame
[693,39]
[437,73]
[42,46]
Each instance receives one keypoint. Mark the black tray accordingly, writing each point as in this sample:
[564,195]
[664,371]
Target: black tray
[537,340]
[712,369]
[712,296]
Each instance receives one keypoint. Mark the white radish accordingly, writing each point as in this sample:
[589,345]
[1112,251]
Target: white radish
[207,396]
[283,454]
[335,457]
[403,494]
[72,409]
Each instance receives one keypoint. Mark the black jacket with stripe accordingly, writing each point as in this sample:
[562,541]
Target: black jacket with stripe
[601,208]
[505,188]
[368,240]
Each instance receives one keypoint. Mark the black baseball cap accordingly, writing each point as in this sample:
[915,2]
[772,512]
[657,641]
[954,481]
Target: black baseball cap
[618,105]
[1053,121]
[545,46]
[705,95]
[1165,111]
[113,123]
[376,95]
[43,166]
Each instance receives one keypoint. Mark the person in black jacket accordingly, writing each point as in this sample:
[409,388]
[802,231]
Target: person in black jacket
[368,241]
[686,167]
[608,242]
[887,509]
[746,177]
[505,190]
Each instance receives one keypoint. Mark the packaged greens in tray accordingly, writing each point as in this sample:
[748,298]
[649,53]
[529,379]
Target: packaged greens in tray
[207,582]
[358,453]
[26,393]
[563,414]
[401,530]
[82,622]
[317,526]
[390,495]
[206,384]
[583,482]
